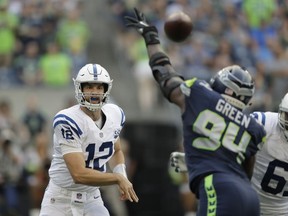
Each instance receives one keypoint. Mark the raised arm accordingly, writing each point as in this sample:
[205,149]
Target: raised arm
[168,79]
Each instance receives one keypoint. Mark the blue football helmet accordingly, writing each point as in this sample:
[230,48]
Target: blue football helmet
[235,84]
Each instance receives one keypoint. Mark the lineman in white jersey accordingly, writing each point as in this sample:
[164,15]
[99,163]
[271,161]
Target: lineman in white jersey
[270,175]
[86,138]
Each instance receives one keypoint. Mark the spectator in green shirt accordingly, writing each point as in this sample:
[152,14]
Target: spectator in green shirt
[55,66]
[73,37]
[8,25]
[259,11]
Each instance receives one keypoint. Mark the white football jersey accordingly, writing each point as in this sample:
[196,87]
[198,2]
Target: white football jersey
[72,127]
[270,176]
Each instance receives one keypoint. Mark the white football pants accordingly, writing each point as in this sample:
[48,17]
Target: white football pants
[58,201]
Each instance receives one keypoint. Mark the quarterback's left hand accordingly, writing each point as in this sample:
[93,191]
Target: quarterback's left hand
[177,160]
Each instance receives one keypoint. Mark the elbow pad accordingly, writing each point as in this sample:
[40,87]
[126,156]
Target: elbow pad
[163,71]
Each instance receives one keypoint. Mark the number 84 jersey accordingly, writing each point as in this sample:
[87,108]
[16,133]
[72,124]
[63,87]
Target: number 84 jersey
[77,132]
[270,174]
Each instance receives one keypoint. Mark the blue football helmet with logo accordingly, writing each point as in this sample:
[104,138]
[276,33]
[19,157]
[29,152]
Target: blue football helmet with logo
[235,84]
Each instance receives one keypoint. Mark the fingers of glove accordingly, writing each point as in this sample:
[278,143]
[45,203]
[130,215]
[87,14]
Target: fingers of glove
[177,169]
[134,24]
[178,156]
[130,20]
[172,156]
[140,16]
[173,161]
[173,164]
[175,154]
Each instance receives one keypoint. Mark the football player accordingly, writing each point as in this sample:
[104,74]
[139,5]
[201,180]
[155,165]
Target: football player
[271,165]
[86,138]
[220,141]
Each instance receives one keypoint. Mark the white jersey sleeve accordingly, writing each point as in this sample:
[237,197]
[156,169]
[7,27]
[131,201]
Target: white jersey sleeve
[270,176]
[76,130]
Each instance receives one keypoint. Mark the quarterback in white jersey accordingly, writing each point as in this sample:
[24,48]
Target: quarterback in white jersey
[86,138]
[270,176]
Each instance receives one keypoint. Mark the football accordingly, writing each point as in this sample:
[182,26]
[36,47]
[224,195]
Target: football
[178,26]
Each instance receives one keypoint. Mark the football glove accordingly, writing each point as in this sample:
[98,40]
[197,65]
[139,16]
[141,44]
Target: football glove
[177,160]
[149,32]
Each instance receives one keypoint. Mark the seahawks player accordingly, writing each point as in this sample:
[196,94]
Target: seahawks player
[86,138]
[271,167]
[220,141]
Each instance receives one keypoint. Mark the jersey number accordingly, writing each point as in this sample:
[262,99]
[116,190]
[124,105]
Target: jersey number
[218,133]
[278,181]
[67,134]
[106,147]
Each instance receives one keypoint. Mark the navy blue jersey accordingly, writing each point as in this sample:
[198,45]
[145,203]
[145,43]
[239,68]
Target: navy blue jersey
[217,136]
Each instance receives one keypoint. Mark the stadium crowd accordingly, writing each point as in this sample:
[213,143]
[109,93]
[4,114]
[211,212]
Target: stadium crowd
[42,43]
[38,36]
[250,33]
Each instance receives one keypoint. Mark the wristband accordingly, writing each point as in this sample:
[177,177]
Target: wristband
[121,169]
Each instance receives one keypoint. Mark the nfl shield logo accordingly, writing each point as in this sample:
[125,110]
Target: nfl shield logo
[79,195]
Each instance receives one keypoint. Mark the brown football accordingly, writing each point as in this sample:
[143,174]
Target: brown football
[178,26]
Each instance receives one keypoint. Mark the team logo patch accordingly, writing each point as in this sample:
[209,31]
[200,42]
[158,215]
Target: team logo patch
[116,133]
[79,195]
[52,200]
[101,135]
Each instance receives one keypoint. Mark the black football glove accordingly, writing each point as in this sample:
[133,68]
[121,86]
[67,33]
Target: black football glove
[149,33]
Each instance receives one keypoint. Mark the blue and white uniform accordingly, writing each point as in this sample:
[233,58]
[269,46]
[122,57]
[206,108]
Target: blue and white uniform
[75,131]
[270,174]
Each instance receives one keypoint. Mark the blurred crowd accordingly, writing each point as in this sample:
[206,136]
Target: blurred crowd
[24,159]
[43,42]
[251,33]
